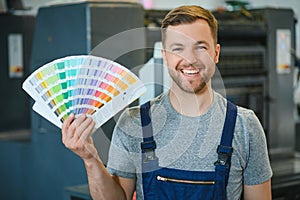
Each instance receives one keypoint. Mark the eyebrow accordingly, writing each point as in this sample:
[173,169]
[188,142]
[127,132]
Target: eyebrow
[196,43]
[175,44]
[201,42]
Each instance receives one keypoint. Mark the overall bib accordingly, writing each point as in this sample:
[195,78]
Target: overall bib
[161,183]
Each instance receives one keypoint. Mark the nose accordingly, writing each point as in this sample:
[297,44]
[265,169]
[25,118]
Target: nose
[190,57]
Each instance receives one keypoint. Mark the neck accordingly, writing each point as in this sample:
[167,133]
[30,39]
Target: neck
[191,104]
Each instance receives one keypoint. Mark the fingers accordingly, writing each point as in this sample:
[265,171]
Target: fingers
[67,122]
[66,127]
[77,136]
[80,128]
[88,126]
[83,125]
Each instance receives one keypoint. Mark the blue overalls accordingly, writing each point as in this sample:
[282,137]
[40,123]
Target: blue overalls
[161,183]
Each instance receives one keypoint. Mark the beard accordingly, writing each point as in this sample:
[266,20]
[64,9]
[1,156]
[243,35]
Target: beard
[192,87]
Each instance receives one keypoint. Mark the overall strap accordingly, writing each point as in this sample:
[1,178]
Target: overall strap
[225,148]
[148,143]
[229,125]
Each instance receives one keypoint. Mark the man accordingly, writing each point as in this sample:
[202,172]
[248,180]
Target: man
[170,148]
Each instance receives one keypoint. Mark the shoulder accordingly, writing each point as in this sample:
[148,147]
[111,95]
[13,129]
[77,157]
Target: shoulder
[245,117]
[248,128]
[245,114]
[249,137]
[248,121]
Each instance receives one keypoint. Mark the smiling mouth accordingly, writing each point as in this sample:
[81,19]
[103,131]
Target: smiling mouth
[190,72]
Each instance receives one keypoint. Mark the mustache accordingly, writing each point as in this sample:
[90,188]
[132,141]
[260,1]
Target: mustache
[192,65]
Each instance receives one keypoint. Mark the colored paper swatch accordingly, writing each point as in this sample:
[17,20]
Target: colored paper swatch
[84,84]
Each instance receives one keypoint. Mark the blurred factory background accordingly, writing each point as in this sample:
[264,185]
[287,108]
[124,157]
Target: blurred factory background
[259,65]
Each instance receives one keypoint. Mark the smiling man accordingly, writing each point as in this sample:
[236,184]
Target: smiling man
[187,143]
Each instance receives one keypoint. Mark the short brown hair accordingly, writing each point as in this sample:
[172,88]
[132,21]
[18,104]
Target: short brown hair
[189,14]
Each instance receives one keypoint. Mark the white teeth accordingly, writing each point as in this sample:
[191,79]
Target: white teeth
[190,71]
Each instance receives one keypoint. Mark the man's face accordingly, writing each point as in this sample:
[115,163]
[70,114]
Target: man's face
[190,54]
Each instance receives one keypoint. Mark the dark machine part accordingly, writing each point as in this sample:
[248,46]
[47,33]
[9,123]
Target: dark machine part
[15,102]
[242,61]
[76,29]
[244,73]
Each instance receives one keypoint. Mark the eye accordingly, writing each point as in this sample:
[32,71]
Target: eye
[201,48]
[177,49]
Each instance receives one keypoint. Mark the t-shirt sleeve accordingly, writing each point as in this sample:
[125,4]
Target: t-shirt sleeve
[258,168]
[124,153]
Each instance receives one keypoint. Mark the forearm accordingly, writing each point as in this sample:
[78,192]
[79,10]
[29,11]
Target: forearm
[101,184]
[261,191]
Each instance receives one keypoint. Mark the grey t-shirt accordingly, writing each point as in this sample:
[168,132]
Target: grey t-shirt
[190,143]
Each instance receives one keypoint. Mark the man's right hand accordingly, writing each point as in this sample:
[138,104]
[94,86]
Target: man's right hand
[77,136]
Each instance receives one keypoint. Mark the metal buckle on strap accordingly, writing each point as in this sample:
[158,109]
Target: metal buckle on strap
[148,150]
[223,155]
[149,155]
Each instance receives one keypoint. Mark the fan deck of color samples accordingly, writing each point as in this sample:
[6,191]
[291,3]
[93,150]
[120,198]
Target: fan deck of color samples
[82,85]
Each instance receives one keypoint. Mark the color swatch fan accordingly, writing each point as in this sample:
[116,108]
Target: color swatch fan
[85,84]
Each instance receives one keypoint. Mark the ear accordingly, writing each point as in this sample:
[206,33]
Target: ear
[217,53]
